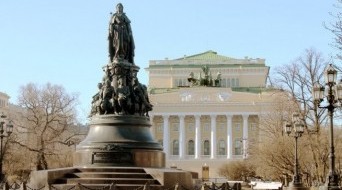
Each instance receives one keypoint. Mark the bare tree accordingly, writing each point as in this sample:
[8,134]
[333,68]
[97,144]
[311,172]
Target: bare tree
[50,114]
[336,28]
[298,78]
[273,152]
[17,163]
[237,170]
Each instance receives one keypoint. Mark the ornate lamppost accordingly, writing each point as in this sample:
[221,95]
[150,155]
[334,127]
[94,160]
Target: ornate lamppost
[296,128]
[334,93]
[8,128]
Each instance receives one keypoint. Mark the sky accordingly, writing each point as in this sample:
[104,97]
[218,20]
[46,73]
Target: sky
[64,42]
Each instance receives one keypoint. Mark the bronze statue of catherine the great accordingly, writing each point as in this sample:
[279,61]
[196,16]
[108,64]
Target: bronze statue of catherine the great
[121,43]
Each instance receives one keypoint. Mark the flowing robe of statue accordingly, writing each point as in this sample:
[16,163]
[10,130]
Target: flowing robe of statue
[121,43]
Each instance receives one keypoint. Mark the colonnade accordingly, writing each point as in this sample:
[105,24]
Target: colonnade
[198,137]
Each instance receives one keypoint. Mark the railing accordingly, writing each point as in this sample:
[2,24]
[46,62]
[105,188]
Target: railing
[113,186]
[232,62]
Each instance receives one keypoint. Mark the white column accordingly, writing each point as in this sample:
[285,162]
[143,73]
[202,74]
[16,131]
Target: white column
[153,127]
[166,135]
[197,137]
[229,137]
[213,137]
[245,135]
[182,142]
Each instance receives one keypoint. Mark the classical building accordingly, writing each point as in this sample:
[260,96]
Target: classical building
[207,123]
[4,104]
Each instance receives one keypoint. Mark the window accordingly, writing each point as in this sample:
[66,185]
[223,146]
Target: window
[191,127]
[159,127]
[175,147]
[253,126]
[233,82]
[206,146]
[180,82]
[221,147]
[237,83]
[221,127]
[191,147]
[237,126]
[206,127]
[175,127]
[223,82]
[238,145]
[228,83]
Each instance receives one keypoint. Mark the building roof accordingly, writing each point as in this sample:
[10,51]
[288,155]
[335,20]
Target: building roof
[208,55]
[4,95]
[206,58]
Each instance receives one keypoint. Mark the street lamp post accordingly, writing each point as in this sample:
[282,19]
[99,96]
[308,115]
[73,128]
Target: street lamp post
[8,128]
[296,127]
[334,93]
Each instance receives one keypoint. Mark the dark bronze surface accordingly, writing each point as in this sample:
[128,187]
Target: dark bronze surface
[119,126]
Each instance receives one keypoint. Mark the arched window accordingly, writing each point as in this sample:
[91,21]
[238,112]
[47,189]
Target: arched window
[191,147]
[175,147]
[206,147]
[222,147]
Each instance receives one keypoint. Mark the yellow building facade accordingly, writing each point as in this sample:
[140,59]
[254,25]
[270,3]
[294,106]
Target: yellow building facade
[207,125]
[4,103]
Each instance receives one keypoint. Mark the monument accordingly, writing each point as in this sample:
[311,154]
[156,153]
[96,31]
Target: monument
[119,150]
[207,80]
[119,132]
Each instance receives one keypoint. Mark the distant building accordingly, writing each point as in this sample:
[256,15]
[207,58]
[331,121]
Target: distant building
[210,125]
[245,72]
[4,103]
[11,111]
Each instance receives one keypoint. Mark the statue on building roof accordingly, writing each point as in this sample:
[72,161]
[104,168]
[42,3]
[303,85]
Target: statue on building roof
[207,80]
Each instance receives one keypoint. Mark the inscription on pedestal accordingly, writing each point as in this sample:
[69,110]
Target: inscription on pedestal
[112,157]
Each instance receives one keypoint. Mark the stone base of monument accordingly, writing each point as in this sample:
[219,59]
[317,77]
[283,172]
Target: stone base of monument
[119,152]
[135,157]
[115,140]
[125,178]
[296,186]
